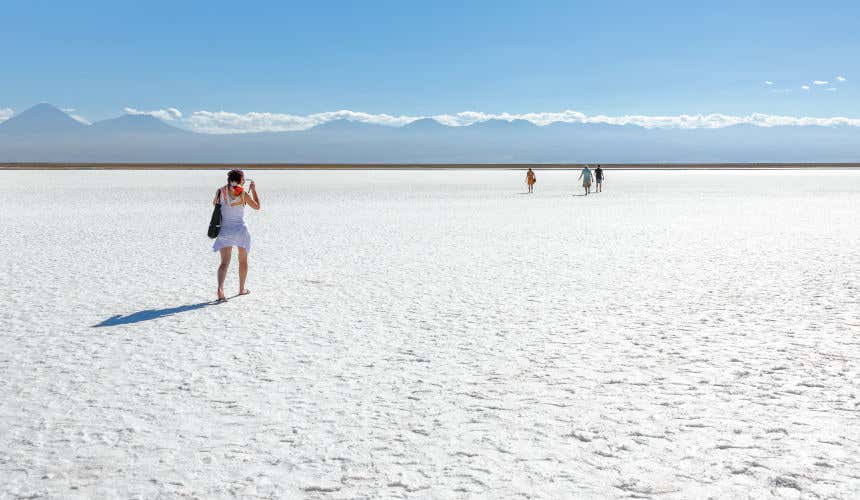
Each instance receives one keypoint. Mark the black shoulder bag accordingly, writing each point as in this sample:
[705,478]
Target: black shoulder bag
[215,222]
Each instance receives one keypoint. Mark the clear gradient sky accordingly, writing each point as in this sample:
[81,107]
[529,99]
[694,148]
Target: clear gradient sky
[427,58]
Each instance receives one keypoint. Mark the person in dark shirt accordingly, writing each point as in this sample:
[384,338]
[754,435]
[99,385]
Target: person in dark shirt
[598,176]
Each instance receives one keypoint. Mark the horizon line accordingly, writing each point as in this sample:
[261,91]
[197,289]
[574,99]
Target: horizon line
[428,166]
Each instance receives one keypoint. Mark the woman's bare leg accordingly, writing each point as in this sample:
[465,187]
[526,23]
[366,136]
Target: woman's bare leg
[222,269]
[243,270]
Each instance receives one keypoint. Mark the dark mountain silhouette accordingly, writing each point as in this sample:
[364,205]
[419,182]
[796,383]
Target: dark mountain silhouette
[41,119]
[45,133]
[343,124]
[496,124]
[424,125]
[135,124]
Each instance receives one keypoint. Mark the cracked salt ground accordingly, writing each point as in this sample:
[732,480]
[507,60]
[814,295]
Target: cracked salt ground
[434,335]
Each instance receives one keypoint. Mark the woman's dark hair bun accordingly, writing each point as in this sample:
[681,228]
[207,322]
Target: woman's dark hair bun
[235,175]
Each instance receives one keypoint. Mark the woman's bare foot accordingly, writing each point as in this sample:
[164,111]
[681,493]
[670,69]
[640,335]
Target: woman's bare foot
[244,291]
[221,297]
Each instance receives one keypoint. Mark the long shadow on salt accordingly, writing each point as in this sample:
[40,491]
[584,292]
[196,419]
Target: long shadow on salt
[150,314]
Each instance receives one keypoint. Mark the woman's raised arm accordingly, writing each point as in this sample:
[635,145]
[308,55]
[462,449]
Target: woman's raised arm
[253,199]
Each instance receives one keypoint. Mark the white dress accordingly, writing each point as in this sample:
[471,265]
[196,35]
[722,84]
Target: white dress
[233,232]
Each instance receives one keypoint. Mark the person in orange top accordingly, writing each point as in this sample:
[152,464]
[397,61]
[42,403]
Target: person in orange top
[530,180]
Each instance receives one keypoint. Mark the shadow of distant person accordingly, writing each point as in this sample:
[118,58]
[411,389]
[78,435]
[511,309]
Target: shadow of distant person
[150,314]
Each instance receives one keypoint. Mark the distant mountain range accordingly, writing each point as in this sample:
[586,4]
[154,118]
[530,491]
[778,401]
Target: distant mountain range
[44,133]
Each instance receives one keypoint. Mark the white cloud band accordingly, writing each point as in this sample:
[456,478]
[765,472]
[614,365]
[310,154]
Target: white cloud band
[6,113]
[81,119]
[222,122]
[77,118]
[168,115]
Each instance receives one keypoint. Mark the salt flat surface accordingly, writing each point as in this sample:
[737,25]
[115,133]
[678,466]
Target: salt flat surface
[433,335]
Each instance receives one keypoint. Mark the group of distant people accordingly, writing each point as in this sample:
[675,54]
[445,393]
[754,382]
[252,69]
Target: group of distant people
[586,175]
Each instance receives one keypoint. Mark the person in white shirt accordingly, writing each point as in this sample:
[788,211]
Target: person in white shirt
[585,175]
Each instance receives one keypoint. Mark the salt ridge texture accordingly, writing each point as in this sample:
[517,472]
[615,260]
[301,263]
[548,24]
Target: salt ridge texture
[433,335]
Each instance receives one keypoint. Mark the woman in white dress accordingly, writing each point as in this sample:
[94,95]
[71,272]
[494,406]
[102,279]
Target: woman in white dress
[234,233]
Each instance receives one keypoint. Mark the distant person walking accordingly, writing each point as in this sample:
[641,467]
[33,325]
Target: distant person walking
[233,198]
[530,180]
[598,177]
[585,175]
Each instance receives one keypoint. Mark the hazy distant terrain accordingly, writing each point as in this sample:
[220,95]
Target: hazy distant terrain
[46,134]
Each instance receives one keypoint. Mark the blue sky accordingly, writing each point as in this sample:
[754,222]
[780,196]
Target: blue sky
[430,58]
